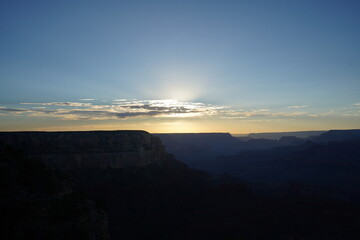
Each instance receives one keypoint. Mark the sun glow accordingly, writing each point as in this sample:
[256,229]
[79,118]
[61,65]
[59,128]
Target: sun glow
[178,81]
[174,127]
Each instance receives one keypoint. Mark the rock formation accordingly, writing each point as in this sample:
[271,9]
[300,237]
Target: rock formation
[41,203]
[94,149]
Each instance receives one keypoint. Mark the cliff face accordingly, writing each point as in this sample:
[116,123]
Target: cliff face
[95,149]
[200,150]
[41,203]
[149,201]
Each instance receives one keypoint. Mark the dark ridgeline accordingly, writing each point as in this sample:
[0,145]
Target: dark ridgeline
[336,135]
[200,150]
[93,149]
[325,165]
[148,194]
[278,135]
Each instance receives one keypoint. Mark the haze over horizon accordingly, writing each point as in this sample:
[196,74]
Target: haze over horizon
[180,66]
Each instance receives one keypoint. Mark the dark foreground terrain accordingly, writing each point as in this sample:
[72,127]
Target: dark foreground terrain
[144,193]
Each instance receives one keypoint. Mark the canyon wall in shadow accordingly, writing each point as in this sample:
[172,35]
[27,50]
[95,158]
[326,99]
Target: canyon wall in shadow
[94,149]
[324,165]
[200,150]
[156,197]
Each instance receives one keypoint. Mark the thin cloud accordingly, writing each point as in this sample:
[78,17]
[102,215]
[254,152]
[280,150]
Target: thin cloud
[261,114]
[164,108]
[61,104]
[5,109]
[298,106]
[23,110]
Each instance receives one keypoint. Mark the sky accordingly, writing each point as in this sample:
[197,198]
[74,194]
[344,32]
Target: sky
[180,66]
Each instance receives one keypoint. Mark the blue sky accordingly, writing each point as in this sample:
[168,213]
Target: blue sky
[237,66]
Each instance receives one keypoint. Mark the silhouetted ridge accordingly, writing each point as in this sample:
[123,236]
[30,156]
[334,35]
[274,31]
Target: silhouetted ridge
[200,150]
[278,135]
[333,168]
[336,135]
[163,200]
[94,149]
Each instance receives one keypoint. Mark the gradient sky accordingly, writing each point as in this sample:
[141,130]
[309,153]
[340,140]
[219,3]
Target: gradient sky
[180,66]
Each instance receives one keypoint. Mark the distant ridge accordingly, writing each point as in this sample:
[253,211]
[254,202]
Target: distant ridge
[336,135]
[194,133]
[278,135]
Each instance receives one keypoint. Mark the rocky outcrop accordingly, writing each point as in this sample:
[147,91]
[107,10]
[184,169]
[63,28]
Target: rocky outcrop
[41,203]
[93,149]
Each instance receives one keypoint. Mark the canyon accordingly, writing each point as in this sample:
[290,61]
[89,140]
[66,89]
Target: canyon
[93,149]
